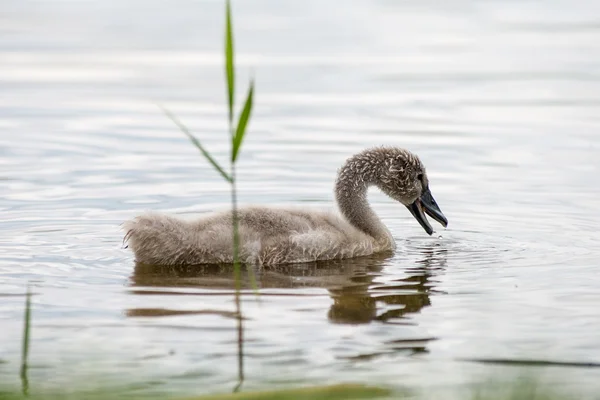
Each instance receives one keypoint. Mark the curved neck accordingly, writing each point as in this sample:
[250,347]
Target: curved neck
[351,187]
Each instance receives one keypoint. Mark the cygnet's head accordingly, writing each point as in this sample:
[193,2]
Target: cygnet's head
[401,175]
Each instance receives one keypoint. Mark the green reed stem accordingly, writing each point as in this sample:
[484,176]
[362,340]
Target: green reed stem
[236,137]
[237,271]
[235,145]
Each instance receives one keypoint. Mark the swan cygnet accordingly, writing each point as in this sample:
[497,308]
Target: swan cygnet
[271,236]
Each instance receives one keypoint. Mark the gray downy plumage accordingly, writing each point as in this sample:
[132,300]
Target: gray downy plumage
[271,235]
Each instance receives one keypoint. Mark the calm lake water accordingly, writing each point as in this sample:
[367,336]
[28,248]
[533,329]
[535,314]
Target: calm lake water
[501,100]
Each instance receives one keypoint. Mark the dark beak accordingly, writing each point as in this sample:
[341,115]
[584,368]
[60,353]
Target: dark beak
[426,205]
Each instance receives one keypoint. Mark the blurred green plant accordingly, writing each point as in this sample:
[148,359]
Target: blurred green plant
[519,387]
[25,343]
[237,133]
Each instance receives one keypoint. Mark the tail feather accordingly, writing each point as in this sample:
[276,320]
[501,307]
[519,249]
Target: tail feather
[156,238]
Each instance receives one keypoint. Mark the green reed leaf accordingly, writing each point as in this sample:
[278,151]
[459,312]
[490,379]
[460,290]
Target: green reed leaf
[243,122]
[196,143]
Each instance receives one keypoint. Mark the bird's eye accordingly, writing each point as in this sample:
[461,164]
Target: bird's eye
[420,177]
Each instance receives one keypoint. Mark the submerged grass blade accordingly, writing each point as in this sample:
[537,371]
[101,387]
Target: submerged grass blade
[229,62]
[243,121]
[25,347]
[196,143]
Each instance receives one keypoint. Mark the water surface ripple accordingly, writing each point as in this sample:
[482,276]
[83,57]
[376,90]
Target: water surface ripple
[500,99]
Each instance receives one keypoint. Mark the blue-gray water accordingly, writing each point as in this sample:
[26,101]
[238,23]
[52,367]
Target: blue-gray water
[501,100]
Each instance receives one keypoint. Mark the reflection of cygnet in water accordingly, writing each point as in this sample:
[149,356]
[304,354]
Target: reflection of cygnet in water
[271,236]
[352,283]
[353,307]
[357,304]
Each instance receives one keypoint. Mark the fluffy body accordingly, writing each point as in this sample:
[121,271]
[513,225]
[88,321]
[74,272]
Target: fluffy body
[271,236]
[268,236]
